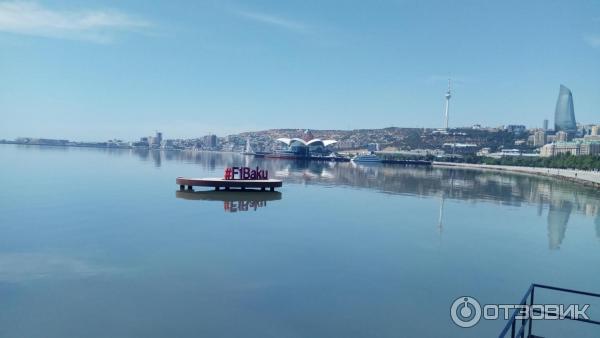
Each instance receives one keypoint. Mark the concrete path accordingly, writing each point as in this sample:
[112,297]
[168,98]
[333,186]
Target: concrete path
[591,178]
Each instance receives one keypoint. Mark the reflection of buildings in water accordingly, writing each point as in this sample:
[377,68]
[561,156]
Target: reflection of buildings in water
[561,198]
[156,157]
[441,216]
[144,154]
[459,184]
[206,159]
[304,171]
[562,202]
[558,218]
[442,200]
[233,201]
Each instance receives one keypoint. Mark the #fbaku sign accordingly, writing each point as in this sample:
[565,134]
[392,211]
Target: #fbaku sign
[245,173]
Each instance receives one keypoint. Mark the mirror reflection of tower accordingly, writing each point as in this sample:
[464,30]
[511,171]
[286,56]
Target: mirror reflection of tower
[441,215]
[558,218]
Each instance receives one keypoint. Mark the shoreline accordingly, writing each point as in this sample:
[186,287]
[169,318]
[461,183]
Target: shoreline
[113,148]
[587,178]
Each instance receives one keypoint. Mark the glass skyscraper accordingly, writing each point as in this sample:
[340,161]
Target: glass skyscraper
[564,116]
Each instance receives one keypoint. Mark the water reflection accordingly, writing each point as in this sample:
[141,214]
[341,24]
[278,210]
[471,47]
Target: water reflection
[356,242]
[559,198]
[558,218]
[233,201]
[555,198]
[441,216]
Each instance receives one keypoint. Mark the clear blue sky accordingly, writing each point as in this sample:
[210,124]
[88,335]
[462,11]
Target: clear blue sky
[95,70]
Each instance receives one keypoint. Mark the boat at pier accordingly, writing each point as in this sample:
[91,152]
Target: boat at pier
[250,152]
[248,149]
[286,154]
[367,158]
[406,162]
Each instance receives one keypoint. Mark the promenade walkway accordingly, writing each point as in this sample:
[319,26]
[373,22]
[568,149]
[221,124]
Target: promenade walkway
[591,178]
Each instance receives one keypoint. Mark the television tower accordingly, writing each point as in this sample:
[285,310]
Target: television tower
[448,96]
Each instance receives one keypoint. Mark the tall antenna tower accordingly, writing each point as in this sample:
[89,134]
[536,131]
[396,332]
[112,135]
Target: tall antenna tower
[448,96]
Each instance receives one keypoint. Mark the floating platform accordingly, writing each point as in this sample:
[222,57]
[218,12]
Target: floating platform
[220,183]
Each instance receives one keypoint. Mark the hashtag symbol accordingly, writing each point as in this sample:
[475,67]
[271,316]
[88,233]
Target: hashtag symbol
[228,173]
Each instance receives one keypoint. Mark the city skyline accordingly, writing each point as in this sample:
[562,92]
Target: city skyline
[120,69]
[299,168]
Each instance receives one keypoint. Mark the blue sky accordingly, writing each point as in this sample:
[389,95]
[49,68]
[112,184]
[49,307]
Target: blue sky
[96,70]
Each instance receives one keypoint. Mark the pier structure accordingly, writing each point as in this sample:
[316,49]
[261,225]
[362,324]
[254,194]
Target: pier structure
[227,184]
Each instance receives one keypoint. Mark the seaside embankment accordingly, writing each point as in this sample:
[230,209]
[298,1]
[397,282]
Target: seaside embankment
[588,178]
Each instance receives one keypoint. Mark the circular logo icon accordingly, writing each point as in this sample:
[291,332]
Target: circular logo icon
[465,311]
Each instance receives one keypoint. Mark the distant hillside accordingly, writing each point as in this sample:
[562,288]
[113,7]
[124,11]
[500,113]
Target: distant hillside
[393,137]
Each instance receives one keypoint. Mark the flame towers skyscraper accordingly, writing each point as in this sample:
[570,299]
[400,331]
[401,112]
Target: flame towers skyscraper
[564,115]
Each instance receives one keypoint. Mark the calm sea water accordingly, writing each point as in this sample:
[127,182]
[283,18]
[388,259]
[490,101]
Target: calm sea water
[99,243]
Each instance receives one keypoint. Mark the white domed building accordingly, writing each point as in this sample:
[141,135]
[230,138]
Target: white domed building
[307,145]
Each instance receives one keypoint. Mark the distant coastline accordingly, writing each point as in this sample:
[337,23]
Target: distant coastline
[588,178]
[101,146]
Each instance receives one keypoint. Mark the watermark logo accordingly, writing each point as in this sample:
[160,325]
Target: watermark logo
[467,311]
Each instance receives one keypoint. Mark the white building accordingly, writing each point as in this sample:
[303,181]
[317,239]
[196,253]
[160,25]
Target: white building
[539,138]
[561,136]
[576,147]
